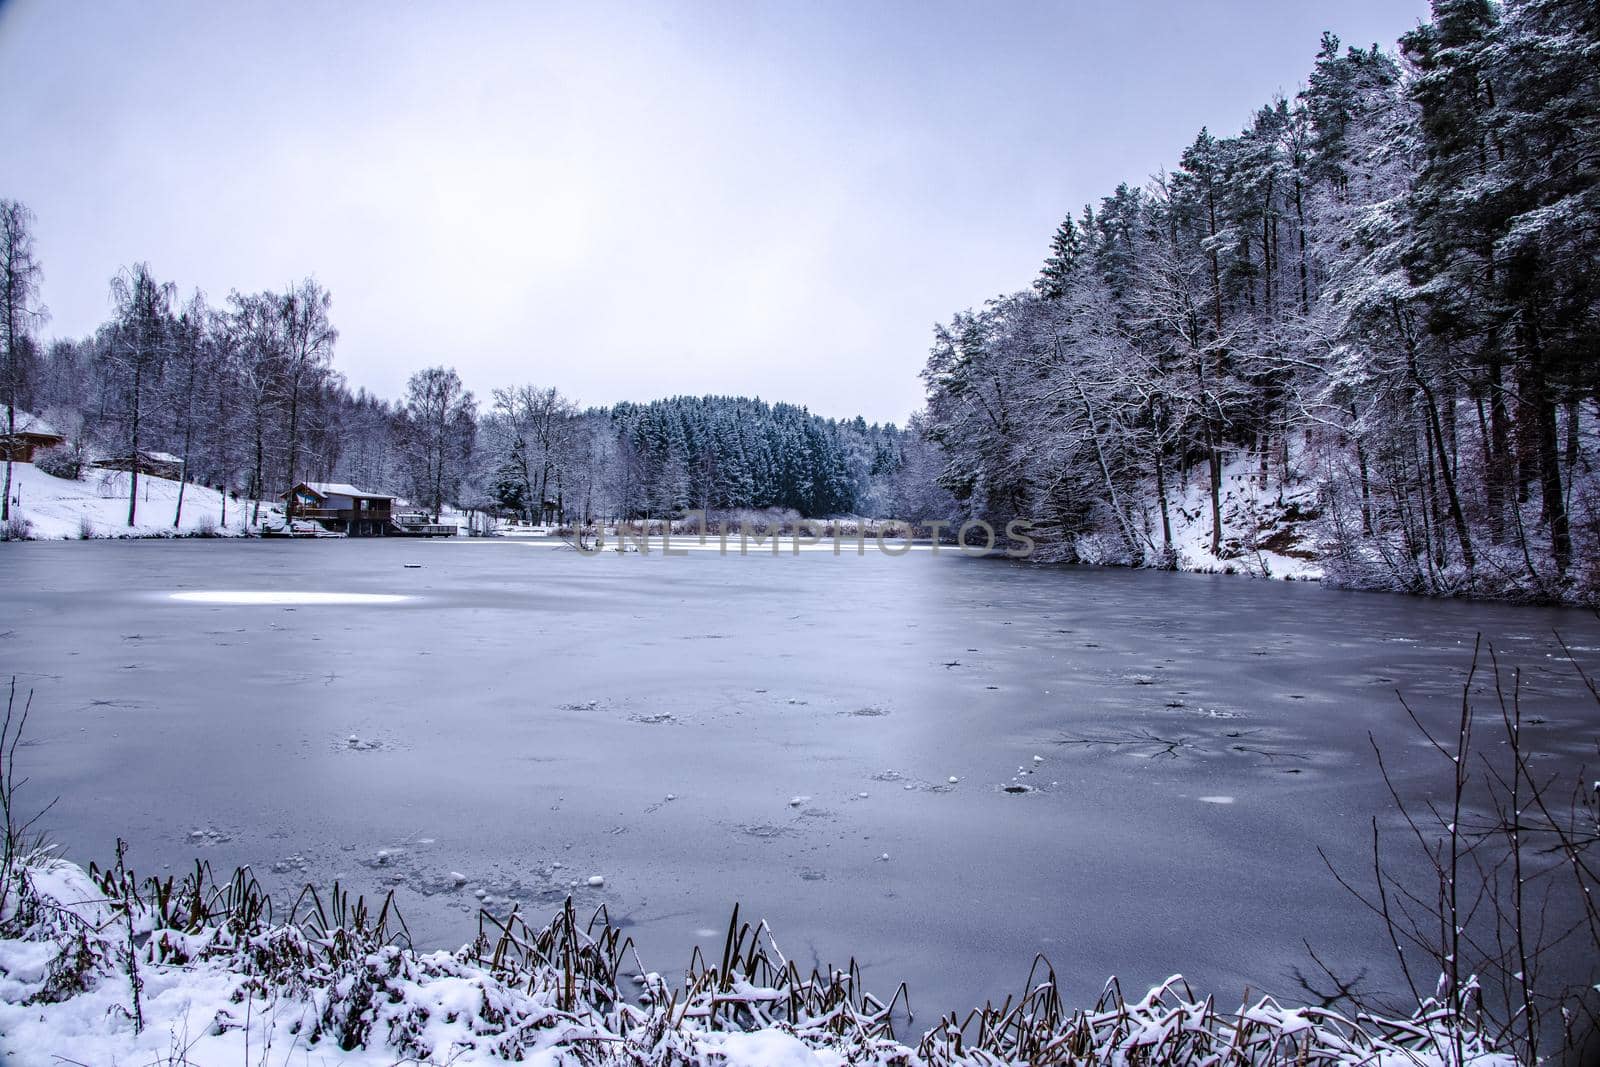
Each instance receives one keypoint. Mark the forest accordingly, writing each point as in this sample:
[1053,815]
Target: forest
[1383,289]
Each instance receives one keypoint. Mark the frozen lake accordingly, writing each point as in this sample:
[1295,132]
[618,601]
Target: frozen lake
[524,714]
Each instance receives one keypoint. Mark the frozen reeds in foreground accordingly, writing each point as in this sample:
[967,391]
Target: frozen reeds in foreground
[219,979]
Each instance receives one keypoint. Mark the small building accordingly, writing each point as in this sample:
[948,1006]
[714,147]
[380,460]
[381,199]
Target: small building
[155,464]
[343,508]
[33,435]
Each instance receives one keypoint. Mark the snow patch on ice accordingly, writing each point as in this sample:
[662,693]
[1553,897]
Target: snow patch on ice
[277,597]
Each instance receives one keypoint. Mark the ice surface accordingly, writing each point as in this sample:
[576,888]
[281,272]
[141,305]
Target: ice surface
[499,717]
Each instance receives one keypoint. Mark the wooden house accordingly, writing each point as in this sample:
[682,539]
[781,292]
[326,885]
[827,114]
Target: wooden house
[33,436]
[343,508]
[155,464]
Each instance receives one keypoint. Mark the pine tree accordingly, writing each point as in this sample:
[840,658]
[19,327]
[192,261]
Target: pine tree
[1065,249]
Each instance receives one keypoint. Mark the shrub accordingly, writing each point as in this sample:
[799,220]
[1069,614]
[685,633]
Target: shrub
[16,528]
[85,528]
[204,526]
[62,461]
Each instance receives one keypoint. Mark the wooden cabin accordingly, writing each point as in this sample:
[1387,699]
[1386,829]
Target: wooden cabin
[155,464]
[33,436]
[343,508]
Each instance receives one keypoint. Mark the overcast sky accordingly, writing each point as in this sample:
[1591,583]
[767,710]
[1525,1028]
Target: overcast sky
[624,200]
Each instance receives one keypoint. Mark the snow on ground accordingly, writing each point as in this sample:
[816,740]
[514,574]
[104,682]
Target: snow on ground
[97,506]
[1265,527]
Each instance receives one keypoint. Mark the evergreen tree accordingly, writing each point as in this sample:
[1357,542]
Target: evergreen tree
[1066,246]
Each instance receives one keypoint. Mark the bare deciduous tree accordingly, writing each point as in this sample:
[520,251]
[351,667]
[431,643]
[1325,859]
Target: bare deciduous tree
[19,313]
[306,349]
[440,429]
[141,342]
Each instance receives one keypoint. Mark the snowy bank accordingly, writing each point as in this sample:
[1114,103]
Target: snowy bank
[98,967]
[97,506]
[1269,523]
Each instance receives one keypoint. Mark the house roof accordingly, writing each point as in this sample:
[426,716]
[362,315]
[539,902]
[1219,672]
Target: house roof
[147,454]
[27,422]
[327,489]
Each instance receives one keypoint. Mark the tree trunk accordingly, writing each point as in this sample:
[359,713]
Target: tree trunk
[1572,438]
[188,440]
[11,313]
[1161,497]
[438,474]
[294,430]
[11,437]
[1366,480]
[259,472]
[133,447]
[1493,499]
[1216,500]
[1266,252]
[1436,432]
[1499,445]
[1300,228]
[1551,498]
[1431,493]
[183,480]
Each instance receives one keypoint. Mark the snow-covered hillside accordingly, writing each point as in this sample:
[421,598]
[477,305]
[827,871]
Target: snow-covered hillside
[1265,524]
[97,506]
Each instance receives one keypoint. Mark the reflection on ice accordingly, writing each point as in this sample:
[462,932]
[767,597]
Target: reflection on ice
[258,596]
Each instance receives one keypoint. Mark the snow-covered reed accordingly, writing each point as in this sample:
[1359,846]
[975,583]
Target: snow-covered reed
[100,966]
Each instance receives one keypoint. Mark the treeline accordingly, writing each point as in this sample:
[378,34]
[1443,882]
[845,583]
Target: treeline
[247,398]
[721,452]
[1385,287]
[712,453]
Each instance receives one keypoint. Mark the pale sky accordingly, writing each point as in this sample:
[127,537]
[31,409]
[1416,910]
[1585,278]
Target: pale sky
[624,200]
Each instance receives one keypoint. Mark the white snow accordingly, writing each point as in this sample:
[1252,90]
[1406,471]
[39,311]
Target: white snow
[1251,514]
[62,509]
[278,597]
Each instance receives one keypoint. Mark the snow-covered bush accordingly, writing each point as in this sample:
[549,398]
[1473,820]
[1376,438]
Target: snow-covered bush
[62,461]
[16,528]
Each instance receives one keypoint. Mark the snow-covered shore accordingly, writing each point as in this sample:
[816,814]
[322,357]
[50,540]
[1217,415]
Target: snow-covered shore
[55,509]
[1267,527]
[1266,532]
[99,968]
